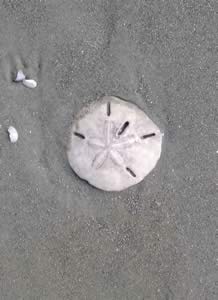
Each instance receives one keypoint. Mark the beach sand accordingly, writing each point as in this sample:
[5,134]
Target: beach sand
[62,239]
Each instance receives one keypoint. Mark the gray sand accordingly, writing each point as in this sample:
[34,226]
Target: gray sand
[63,239]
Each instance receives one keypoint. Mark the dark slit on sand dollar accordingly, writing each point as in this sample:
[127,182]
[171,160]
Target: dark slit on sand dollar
[113,144]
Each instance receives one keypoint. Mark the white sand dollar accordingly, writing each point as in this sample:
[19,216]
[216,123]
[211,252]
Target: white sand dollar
[113,144]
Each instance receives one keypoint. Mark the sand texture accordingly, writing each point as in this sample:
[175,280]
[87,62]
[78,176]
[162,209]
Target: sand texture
[62,239]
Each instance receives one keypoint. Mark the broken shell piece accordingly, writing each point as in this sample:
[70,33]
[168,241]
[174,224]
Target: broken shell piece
[30,83]
[20,76]
[13,134]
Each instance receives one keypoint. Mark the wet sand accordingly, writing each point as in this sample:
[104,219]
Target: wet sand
[60,238]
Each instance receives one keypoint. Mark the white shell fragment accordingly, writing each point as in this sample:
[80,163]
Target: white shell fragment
[30,83]
[113,144]
[20,76]
[13,134]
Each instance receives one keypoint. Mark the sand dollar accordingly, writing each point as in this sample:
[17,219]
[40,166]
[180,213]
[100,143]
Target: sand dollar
[113,144]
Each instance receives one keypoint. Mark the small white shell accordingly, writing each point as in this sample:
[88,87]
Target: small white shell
[20,76]
[30,83]
[13,134]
